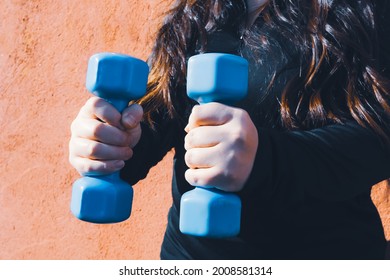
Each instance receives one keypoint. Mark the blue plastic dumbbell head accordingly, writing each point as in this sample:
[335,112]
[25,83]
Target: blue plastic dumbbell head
[102,199]
[217,77]
[118,79]
[207,211]
[210,213]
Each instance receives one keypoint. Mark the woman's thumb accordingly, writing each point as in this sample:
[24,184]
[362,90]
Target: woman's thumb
[132,116]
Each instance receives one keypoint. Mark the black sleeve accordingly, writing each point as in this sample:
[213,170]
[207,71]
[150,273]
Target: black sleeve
[333,163]
[154,144]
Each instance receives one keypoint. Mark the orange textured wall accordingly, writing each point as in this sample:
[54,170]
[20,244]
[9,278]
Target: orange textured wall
[44,48]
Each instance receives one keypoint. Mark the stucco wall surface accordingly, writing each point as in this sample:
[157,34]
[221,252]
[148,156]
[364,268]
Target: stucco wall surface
[44,49]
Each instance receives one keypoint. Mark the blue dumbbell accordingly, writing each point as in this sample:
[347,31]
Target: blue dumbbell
[206,211]
[118,79]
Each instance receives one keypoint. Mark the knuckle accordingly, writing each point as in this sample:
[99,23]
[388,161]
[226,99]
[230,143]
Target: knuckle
[189,158]
[74,125]
[92,149]
[99,167]
[231,159]
[189,177]
[93,102]
[240,113]
[195,113]
[84,169]
[125,139]
[188,140]
[192,178]
[204,181]
[97,130]
[72,161]
[71,144]
[72,147]
[241,116]
[128,153]
[226,179]
[196,109]
[221,174]
[87,170]
[240,140]
[237,136]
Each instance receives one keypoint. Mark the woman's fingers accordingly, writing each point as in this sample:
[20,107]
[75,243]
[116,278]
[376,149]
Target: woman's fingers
[98,131]
[203,157]
[210,114]
[210,177]
[221,145]
[86,166]
[93,150]
[203,137]
[100,109]
[103,138]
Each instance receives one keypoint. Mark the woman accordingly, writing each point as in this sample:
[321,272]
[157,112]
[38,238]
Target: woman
[305,146]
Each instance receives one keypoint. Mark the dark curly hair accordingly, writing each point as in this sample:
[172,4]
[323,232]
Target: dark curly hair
[341,44]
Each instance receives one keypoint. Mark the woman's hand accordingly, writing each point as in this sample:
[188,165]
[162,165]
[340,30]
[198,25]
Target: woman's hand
[221,147]
[102,138]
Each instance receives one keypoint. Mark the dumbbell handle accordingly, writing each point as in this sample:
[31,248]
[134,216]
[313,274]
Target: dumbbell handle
[119,104]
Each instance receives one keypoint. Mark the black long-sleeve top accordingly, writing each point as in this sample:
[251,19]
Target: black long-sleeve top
[308,196]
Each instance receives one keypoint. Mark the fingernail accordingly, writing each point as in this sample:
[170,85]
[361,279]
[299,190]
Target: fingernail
[119,164]
[130,121]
